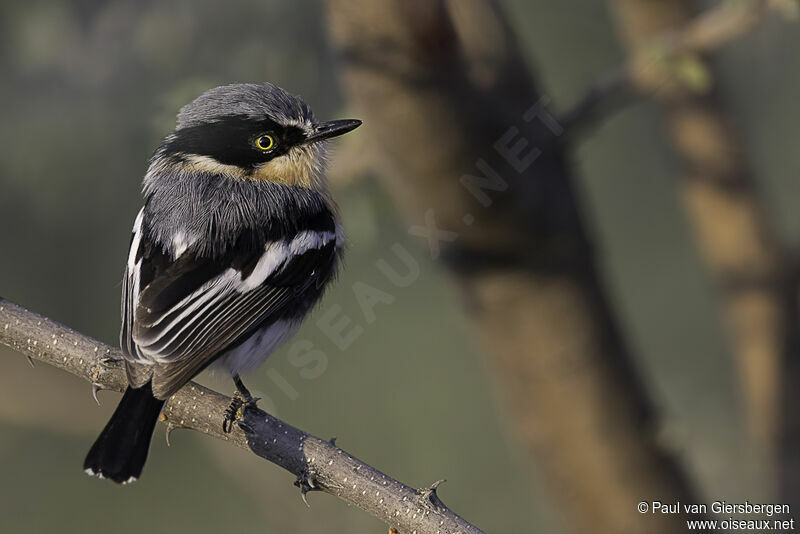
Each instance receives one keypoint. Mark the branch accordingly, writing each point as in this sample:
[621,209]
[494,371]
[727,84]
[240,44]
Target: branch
[516,243]
[319,465]
[672,58]
[732,225]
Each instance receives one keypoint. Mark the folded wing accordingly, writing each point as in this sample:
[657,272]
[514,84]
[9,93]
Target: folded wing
[179,314]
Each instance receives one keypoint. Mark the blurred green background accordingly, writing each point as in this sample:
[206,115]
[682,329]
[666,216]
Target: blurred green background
[89,89]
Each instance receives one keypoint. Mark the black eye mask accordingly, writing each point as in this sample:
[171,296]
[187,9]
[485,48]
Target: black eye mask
[231,140]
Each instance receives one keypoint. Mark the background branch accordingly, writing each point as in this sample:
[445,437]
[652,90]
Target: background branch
[486,163]
[670,58]
[318,464]
[722,198]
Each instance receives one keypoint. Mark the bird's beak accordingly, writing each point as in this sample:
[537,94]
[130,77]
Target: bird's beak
[326,130]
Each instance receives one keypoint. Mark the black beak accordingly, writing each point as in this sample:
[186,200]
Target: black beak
[326,130]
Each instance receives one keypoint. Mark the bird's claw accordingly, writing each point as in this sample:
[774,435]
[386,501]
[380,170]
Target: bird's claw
[238,402]
[111,363]
[230,413]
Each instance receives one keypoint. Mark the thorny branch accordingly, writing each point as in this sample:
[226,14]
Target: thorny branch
[671,58]
[319,465]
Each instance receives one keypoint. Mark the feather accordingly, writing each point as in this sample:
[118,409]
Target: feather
[182,311]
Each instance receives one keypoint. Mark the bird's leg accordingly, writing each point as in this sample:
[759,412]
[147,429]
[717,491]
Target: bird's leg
[241,398]
[243,391]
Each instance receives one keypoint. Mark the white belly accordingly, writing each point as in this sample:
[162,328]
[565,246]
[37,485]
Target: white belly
[253,352]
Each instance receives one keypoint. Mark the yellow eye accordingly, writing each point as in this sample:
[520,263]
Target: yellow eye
[265,142]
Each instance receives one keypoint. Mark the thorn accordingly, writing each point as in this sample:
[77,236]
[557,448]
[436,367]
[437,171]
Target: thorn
[430,492]
[306,484]
[332,441]
[30,361]
[95,388]
[110,362]
[170,428]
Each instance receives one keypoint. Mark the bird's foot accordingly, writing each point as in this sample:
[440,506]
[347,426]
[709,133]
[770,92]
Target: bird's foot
[239,402]
[231,412]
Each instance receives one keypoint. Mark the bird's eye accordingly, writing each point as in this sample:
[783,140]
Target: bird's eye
[265,143]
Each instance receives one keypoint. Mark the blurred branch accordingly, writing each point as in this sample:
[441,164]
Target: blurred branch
[468,146]
[318,464]
[721,195]
[671,57]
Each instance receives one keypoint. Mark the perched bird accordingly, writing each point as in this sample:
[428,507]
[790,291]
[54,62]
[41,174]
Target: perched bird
[236,242]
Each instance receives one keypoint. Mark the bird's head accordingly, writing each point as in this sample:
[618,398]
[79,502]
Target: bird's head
[251,131]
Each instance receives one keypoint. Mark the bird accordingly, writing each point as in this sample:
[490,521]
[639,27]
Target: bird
[238,238]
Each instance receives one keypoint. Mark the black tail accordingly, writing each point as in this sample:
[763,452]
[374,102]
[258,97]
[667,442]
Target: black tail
[121,450]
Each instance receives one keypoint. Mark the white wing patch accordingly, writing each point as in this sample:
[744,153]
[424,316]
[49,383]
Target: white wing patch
[180,242]
[277,252]
[305,241]
[188,316]
[137,238]
[130,296]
